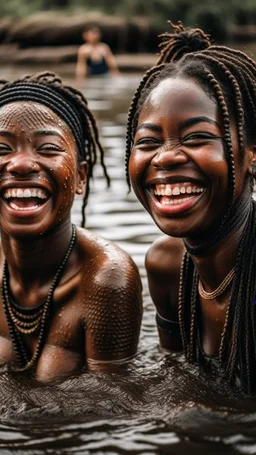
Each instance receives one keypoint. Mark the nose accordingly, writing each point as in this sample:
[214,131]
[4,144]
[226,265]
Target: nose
[168,157]
[22,163]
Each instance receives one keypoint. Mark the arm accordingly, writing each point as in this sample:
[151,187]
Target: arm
[110,60]
[81,65]
[113,324]
[163,262]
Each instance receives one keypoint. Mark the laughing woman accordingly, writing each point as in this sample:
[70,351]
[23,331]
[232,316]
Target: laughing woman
[191,152]
[70,300]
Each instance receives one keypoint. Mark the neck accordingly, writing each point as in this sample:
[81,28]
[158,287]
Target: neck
[34,261]
[233,221]
[217,261]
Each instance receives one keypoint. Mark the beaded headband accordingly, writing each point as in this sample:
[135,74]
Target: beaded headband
[53,99]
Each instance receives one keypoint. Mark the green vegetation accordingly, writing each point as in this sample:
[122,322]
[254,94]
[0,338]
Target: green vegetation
[214,16]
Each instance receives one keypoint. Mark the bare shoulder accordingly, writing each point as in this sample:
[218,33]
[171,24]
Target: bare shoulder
[84,49]
[112,296]
[112,267]
[104,46]
[164,256]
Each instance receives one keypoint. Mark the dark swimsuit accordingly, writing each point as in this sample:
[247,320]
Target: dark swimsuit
[98,67]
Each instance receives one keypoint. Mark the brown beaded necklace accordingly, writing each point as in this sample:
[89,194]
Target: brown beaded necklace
[220,289]
[24,321]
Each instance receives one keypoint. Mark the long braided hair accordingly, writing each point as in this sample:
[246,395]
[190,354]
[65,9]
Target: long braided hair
[71,105]
[229,77]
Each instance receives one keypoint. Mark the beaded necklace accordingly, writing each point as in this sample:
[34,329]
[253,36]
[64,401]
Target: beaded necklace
[28,321]
[188,307]
[220,289]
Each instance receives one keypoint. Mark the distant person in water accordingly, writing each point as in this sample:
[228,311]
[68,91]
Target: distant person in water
[94,58]
[70,300]
[191,157]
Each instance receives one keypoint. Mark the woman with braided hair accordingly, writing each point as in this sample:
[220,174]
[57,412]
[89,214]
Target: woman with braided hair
[190,156]
[69,300]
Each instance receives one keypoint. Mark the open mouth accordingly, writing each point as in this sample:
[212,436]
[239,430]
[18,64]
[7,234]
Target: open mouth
[25,199]
[176,197]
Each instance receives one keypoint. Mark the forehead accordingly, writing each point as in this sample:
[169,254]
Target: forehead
[180,96]
[29,114]
[92,31]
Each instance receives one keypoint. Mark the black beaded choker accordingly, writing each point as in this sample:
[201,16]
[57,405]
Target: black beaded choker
[23,322]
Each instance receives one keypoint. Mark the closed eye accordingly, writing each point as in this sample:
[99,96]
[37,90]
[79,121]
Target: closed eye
[49,148]
[147,141]
[199,138]
[5,149]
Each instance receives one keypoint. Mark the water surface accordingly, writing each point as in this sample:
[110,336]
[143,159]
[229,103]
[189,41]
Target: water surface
[162,405]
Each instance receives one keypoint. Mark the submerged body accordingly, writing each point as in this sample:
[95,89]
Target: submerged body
[191,155]
[178,157]
[70,300]
[94,58]
[94,319]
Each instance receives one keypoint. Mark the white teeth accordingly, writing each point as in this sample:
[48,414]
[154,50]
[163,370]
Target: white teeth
[25,192]
[20,193]
[175,201]
[168,190]
[171,190]
[176,191]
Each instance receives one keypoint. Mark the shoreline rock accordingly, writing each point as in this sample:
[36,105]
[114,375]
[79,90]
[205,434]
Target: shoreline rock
[66,55]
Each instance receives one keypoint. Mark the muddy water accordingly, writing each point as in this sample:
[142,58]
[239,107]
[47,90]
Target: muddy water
[162,405]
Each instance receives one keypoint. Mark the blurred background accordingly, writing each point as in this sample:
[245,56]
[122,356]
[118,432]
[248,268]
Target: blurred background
[163,406]
[47,31]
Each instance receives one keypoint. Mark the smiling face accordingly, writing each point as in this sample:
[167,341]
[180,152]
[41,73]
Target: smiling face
[178,167]
[39,172]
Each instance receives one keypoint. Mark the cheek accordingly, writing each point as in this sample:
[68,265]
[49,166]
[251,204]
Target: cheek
[63,171]
[137,165]
[65,167]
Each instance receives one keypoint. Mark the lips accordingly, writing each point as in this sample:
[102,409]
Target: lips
[25,198]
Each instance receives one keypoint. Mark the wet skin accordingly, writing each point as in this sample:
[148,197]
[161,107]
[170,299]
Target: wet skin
[179,173]
[96,311]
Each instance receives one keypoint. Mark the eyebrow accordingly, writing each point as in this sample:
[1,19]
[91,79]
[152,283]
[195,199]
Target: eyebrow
[6,133]
[195,120]
[150,126]
[48,133]
[185,124]
[37,133]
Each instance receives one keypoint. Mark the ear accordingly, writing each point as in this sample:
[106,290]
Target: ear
[81,177]
[252,159]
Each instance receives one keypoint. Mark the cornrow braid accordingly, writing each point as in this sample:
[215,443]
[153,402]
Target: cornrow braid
[68,103]
[229,77]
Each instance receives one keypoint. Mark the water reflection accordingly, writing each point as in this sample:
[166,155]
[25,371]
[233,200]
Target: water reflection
[161,405]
